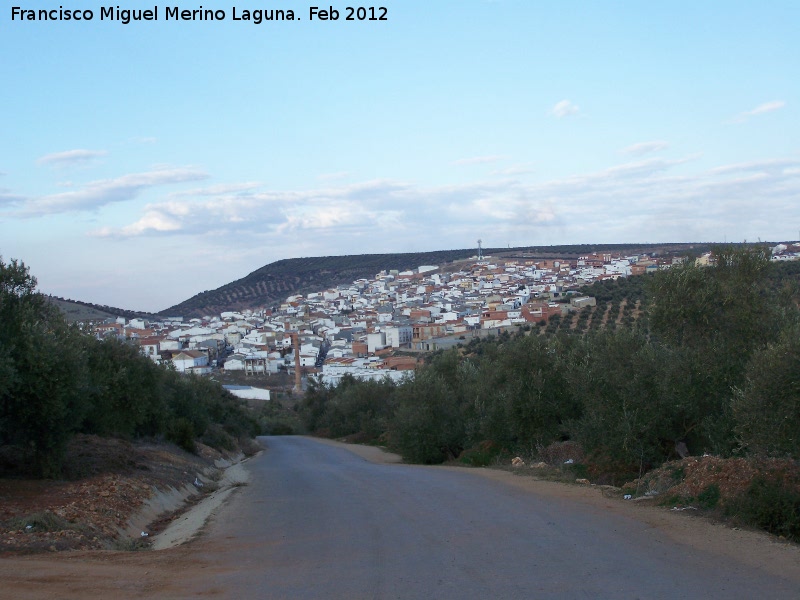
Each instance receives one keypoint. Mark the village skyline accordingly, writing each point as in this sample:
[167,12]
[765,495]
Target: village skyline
[357,328]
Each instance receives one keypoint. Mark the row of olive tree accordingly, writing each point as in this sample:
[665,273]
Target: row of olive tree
[715,369]
[56,381]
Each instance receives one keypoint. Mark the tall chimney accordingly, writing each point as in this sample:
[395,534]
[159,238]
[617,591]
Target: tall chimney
[298,386]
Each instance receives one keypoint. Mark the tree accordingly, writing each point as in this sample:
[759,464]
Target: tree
[766,407]
[41,397]
[727,305]
[429,425]
[719,317]
[529,401]
[628,408]
[125,394]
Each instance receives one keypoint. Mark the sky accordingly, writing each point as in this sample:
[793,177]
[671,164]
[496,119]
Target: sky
[143,163]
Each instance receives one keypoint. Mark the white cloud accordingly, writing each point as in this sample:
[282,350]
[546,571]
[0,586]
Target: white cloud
[96,194]
[565,108]
[761,109]
[70,157]
[6,197]
[645,148]
[767,107]
[218,190]
[759,165]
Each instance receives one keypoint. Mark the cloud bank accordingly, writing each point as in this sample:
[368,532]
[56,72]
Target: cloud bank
[70,157]
[643,148]
[97,194]
[646,200]
[761,109]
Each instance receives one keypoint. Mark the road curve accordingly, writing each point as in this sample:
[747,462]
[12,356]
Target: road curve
[318,521]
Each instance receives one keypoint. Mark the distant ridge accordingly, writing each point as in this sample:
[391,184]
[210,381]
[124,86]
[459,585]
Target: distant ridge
[274,282]
[77,311]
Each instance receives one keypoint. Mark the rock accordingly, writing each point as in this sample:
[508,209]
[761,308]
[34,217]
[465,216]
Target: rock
[517,462]
[681,449]
[610,488]
[582,481]
[539,465]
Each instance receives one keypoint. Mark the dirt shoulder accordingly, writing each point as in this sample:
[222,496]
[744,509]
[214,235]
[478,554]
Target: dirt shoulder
[120,495]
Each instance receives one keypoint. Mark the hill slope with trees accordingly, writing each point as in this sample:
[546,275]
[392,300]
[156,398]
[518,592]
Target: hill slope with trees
[56,381]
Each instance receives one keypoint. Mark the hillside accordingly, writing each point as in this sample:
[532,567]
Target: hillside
[276,281]
[623,301]
[77,311]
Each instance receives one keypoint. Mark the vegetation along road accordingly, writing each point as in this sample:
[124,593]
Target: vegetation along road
[320,521]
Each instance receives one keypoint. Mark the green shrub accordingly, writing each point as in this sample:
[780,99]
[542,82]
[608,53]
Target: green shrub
[132,544]
[428,427]
[576,470]
[42,521]
[181,432]
[709,497]
[280,429]
[770,504]
[216,437]
[678,474]
[481,455]
[766,407]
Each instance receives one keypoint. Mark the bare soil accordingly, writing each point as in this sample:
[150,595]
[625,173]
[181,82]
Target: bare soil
[109,482]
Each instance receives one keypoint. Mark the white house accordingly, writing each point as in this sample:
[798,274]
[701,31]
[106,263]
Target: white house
[149,347]
[235,363]
[187,360]
[376,341]
[398,335]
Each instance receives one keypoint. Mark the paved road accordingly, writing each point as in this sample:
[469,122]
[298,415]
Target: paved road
[320,522]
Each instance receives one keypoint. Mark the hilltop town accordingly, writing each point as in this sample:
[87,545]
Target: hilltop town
[376,327]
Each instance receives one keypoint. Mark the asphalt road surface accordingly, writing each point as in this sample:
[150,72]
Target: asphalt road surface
[318,521]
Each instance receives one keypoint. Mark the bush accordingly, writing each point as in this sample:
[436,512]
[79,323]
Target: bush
[352,407]
[481,455]
[428,427]
[709,497]
[42,521]
[181,432]
[274,419]
[216,437]
[766,407]
[771,505]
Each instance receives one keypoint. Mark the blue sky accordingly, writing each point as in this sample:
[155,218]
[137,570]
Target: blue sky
[143,163]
